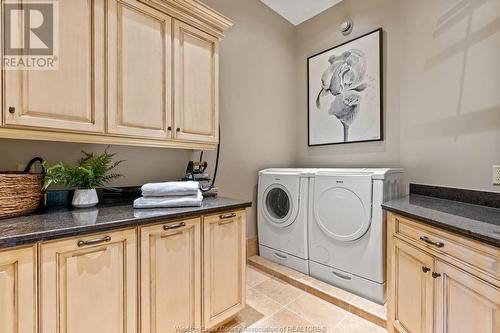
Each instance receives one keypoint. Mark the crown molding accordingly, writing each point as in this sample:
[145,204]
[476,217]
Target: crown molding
[195,13]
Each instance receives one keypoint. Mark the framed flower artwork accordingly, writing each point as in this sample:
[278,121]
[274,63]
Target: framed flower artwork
[345,92]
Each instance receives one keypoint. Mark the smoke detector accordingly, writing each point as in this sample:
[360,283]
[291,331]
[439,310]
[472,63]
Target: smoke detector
[346,27]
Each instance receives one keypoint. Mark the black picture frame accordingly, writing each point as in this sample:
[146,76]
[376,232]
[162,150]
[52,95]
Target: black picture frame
[380,31]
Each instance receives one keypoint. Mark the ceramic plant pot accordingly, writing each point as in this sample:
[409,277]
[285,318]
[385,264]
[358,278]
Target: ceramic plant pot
[85,198]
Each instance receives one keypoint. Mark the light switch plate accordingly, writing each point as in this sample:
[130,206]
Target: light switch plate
[496,175]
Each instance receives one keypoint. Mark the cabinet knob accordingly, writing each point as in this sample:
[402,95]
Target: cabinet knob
[169,128]
[435,275]
[178,129]
[425,269]
[12,109]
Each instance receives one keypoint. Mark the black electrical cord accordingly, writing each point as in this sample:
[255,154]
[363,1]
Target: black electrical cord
[211,186]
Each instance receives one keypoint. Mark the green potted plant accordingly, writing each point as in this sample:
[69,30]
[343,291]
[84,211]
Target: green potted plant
[92,171]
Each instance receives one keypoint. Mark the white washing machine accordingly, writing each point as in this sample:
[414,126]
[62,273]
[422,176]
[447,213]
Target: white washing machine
[282,216]
[347,228]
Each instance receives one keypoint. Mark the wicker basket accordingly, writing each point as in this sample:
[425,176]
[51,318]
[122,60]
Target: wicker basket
[20,192]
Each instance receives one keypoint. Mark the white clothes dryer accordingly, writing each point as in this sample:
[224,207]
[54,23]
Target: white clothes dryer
[347,228]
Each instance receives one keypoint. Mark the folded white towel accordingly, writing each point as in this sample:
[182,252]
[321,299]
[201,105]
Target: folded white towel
[169,189]
[170,202]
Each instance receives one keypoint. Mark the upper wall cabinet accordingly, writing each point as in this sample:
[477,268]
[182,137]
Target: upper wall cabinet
[196,84]
[72,96]
[139,67]
[130,72]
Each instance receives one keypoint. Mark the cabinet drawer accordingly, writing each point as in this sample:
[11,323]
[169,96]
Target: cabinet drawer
[480,256]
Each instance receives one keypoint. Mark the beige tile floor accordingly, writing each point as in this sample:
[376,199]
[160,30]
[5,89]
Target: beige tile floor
[277,307]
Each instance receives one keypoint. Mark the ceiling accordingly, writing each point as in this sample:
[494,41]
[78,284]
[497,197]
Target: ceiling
[298,11]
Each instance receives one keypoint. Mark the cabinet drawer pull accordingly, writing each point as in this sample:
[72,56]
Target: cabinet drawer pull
[429,241]
[425,269]
[94,241]
[174,226]
[172,234]
[435,275]
[227,216]
[226,222]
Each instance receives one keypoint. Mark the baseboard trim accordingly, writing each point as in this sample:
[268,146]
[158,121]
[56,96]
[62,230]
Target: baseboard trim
[252,246]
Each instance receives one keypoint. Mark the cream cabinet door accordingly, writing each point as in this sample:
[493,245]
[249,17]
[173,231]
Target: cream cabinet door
[224,267]
[89,284]
[171,277]
[18,291]
[71,97]
[139,67]
[465,303]
[412,290]
[196,83]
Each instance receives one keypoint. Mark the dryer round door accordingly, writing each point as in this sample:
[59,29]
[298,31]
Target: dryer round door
[278,205]
[341,214]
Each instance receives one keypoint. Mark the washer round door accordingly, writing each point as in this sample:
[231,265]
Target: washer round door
[341,213]
[278,205]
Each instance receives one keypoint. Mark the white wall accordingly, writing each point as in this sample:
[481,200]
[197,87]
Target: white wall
[450,92]
[441,88]
[321,33]
[141,165]
[257,88]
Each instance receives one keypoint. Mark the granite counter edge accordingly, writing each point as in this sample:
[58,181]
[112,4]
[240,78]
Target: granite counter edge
[445,226]
[33,238]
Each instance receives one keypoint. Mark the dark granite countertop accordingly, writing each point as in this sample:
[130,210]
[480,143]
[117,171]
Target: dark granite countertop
[478,222]
[60,223]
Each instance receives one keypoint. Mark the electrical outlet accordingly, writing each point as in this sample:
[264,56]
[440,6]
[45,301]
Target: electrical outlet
[496,175]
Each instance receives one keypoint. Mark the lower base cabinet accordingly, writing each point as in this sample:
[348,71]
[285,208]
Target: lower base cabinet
[224,247]
[439,282]
[465,303]
[171,277]
[18,291]
[89,284]
[413,288]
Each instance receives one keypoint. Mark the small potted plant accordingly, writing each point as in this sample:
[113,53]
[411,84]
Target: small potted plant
[92,171]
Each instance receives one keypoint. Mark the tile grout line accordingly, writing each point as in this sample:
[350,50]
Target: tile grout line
[314,322]
[340,322]
[302,293]
[367,315]
[282,307]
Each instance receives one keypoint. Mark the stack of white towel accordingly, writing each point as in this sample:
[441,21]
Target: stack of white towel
[170,194]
